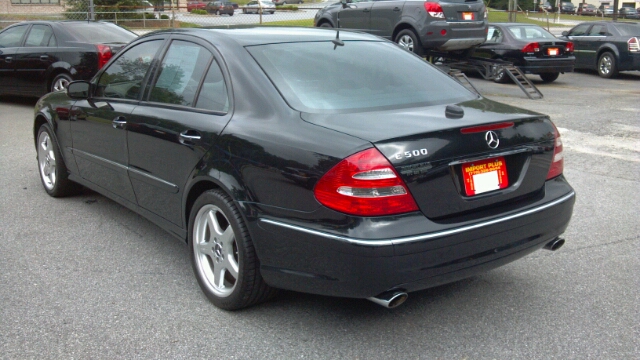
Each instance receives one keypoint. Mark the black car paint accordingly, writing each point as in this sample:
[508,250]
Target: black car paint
[268,157]
[35,67]
[589,47]
[510,49]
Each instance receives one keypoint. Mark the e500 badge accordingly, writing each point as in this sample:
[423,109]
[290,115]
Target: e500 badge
[410,154]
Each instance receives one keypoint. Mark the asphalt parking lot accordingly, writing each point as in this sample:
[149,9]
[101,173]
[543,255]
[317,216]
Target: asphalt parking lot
[83,277]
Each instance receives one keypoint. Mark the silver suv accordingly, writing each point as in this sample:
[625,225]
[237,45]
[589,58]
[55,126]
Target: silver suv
[417,25]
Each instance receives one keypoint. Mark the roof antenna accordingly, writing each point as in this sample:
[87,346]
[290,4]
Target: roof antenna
[337,42]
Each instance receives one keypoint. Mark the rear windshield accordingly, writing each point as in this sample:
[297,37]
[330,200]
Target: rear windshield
[315,77]
[530,33]
[99,33]
[628,29]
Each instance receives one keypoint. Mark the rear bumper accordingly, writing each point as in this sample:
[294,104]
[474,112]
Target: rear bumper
[299,256]
[537,66]
[630,61]
[457,35]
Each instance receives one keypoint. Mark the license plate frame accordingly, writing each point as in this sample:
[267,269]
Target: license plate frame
[468,16]
[553,51]
[484,175]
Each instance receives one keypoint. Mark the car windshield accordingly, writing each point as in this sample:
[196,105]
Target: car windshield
[530,33]
[628,29]
[320,77]
[105,33]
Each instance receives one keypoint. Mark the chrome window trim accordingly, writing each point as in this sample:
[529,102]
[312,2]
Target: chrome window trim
[429,236]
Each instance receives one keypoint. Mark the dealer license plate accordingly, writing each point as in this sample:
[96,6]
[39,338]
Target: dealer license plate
[468,16]
[485,175]
[552,51]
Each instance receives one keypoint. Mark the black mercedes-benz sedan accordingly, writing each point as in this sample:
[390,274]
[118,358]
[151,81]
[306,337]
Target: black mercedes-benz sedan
[287,159]
[41,56]
[606,46]
[531,48]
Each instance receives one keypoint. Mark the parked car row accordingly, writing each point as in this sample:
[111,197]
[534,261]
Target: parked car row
[226,7]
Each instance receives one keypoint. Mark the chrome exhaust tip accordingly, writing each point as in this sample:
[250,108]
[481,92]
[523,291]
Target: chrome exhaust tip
[390,299]
[555,244]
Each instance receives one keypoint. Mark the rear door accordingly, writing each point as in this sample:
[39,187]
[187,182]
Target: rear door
[385,14]
[356,15]
[10,41]
[591,44]
[185,110]
[33,60]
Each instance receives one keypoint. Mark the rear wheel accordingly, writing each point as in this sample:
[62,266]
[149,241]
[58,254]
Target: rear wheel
[326,25]
[408,40]
[607,65]
[549,77]
[501,77]
[60,82]
[222,254]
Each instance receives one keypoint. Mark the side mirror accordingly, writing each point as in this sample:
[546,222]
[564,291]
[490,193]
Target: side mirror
[78,90]
[344,3]
[565,33]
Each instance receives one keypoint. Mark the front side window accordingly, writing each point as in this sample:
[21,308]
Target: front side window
[12,37]
[315,77]
[123,78]
[580,30]
[40,35]
[181,72]
[598,30]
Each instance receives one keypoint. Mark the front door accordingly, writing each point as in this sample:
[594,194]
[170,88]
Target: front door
[356,16]
[99,124]
[10,41]
[186,109]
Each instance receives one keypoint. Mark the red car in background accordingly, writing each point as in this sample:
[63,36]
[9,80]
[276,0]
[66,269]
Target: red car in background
[195,5]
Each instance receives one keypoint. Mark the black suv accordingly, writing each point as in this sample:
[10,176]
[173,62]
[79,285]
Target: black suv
[415,25]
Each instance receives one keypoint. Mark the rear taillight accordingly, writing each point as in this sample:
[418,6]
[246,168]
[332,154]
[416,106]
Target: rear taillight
[531,48]
[558,156]
[104,54]
[569,47]
[364,184]
[634,44]
[434,9]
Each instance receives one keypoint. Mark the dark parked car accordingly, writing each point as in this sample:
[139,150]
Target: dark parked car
[41,56]
[605,10]
[417,26]
[567,7]
[220,8]
[629,13]
[531,48]
[287,159]
[586,9]
[547,7]
[606,46]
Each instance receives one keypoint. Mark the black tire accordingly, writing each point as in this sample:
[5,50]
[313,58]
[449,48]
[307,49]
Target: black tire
[60,82]
[53,172]
[606,66]
[229,251]
[502,77]
[231,14]
[549,77]
[272,12]
[408,40]
[326,24]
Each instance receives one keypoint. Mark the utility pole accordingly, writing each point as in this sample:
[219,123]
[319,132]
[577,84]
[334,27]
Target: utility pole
[615,10]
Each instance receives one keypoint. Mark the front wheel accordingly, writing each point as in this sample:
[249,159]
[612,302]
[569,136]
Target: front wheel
[408,40]
[501,77]
[326,25]
[607,65]
[53,172]
[222,254]
[549,77]
[60,82]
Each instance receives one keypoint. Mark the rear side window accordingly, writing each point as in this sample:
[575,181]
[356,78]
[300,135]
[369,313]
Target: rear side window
[530,33]
[213,95]
[181,72]
[40,35]
[494,35]
[315,77]
[598,30]
[12,37]
[628,29]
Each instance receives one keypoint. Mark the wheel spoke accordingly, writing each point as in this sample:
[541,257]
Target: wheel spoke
[218,275]
[205,248]
[226,238]
[212,222]
[232,266]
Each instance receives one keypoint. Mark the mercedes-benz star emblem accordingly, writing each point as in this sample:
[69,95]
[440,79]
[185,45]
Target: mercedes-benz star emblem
[492,139]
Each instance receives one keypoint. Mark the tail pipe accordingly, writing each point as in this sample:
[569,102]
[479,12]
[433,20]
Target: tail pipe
[390,299]
[555,244]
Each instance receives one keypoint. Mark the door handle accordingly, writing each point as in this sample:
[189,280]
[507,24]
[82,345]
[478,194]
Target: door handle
[8,59]
[44,57]
[366,10]
[119,122]
[396,9]
[189,137]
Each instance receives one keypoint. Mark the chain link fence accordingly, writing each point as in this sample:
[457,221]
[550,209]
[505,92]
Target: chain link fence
[155,15]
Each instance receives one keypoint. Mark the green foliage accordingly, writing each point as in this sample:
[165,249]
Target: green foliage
[287,7]
[164,17]
[105,9]
[199,12]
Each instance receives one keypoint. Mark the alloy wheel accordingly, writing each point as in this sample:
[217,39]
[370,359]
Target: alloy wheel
[47,161]
[216,250]
[60,84]
[605,65]
[406,42]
